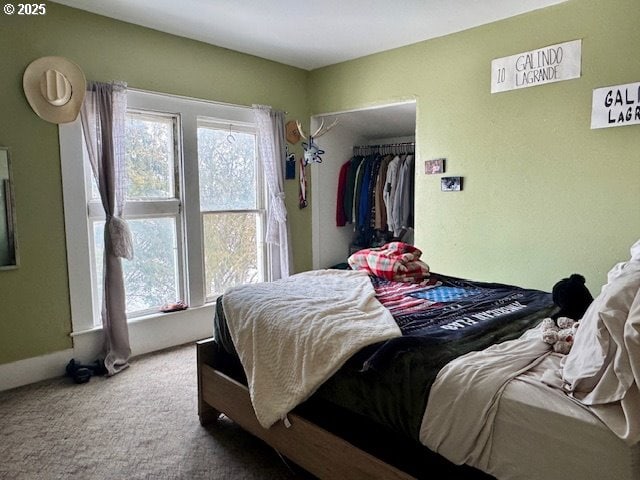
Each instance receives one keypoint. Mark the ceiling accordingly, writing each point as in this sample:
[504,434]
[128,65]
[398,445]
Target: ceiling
[378,123]
[310,33]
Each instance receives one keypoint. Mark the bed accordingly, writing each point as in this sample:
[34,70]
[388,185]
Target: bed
[367,416]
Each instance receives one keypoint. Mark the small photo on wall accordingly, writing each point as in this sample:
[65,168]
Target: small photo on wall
[451,184]
[432,167]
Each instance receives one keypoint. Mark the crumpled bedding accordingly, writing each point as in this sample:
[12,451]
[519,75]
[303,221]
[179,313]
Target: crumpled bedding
[602,370]
[388,381]
[464,399]
[293,334]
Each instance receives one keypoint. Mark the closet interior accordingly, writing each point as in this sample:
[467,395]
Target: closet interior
[357,200]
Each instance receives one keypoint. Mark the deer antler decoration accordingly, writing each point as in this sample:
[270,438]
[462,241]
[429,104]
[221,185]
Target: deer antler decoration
[311,150]
[319,132]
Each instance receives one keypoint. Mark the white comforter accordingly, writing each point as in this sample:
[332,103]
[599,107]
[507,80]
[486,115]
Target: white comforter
[293,334]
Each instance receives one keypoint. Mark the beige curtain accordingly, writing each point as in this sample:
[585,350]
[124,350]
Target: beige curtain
[103,123]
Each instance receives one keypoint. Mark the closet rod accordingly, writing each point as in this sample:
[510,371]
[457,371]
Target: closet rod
[386,149]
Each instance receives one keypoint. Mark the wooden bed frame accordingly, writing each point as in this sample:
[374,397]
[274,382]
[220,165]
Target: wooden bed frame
[322,439]
[313,448]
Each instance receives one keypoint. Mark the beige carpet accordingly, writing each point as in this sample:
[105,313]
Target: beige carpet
[139,424]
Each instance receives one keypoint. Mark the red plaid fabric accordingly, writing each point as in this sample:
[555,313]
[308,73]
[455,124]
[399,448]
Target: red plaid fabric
[395,261]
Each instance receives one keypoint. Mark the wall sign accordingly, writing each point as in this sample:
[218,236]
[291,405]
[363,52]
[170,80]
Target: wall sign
[537,67]
[616,106]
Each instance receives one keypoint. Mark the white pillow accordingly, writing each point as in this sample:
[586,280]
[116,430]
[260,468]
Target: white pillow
[619,268]
[598,370]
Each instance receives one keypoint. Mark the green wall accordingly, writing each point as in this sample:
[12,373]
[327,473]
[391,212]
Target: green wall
[544,196]
[35,313]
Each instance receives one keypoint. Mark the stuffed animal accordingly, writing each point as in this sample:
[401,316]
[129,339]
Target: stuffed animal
[559,333]
[572,296]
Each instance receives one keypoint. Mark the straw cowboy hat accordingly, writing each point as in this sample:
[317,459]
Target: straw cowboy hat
[55,88]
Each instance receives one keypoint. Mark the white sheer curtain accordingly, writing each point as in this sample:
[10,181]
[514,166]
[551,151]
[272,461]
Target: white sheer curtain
[103,123]
[271,146]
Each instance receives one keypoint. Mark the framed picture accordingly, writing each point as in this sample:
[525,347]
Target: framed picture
[451,184]
[8,246]
[432,167]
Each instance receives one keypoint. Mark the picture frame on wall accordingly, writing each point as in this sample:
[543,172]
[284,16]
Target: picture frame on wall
[451,184]
[432,167]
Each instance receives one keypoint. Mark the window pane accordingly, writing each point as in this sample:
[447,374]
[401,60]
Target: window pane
[149,157]
[227,168]
[231,251]
[151,278]
[98,246]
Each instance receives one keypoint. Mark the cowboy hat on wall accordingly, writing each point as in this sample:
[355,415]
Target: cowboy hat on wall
[55,88]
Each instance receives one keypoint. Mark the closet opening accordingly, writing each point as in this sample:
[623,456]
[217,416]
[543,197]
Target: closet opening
[363,145]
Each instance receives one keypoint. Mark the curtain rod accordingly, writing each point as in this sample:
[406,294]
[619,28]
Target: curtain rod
[185,97]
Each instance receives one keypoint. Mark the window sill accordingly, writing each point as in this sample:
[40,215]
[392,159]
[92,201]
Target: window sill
[150,317]
[151,332]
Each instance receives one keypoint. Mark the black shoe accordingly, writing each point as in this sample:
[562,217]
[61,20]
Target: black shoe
[79,373]
[97,367]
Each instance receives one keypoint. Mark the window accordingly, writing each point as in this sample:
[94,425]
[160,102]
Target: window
[195,205]
[152,209]
[231,203]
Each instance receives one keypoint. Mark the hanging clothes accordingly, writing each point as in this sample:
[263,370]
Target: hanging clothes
[380,222]
[391,184]
[401,203]
[375,193]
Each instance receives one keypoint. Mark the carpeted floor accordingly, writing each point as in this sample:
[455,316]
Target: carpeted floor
[139,424]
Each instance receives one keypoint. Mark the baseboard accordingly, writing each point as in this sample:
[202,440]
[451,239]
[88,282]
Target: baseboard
[146,335]
[35,369]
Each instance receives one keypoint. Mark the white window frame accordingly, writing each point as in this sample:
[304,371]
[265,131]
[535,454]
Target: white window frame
[82,279]
[141,209]
[261,199]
